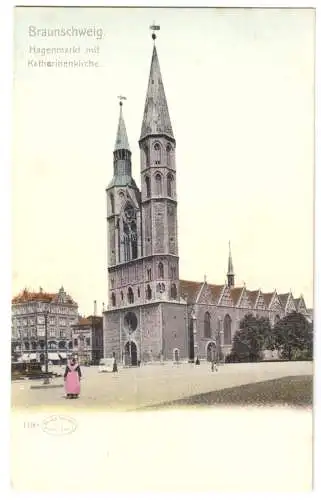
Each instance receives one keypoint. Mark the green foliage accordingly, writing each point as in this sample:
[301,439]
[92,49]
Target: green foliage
[293,336]
[253,336]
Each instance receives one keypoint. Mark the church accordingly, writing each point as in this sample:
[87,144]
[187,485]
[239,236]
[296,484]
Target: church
[152,314]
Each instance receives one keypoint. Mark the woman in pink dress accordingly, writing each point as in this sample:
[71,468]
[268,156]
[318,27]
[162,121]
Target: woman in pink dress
[72,378]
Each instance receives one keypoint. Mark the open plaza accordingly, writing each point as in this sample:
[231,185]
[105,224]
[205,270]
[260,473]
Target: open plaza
[152,385]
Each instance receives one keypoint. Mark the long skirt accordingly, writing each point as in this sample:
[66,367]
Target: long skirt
[72,383]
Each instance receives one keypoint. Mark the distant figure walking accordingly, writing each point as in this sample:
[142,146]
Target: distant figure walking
[115,368]
[72,378]
[214,366]
[197,362]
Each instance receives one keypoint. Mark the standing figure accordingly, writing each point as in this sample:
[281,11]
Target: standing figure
[214,366]
[72,378]
[115,368]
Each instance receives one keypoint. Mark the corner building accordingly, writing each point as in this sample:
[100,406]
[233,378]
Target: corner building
[152,314]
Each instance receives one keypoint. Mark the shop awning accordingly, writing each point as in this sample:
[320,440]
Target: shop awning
[53,356]
[28,356]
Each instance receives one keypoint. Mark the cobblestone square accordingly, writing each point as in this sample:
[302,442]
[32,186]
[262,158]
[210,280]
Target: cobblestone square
[134,388]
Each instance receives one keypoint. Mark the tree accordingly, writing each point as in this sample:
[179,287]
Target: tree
[293,336]
[253,336]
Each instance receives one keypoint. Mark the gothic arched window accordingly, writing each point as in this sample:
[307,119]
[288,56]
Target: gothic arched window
[113,299]
[146,151]
[121,295]
[170,185]
[168,154]
[148,292]
[173,291]
[130,295]
[227,330]
[158,179]
[147,183]
[133,240]
[149,274]
[173,273]
[112,203]
[207,325]
[138,292]
[161,270]
[157,150]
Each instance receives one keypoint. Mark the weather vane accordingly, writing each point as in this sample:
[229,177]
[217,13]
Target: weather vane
[154,27]
[121,98]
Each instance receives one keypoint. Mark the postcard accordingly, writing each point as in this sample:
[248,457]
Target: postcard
[162,314]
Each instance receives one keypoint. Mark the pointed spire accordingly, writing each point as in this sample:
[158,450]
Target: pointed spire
[230,270]
[156,118]
[121,137]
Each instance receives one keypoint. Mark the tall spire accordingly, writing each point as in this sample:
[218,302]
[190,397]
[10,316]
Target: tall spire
[230,270]
[156,118]
[121,137]
[122,155]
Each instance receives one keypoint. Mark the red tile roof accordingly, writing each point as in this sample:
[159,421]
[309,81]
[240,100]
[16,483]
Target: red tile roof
[26,296]
[190,289]
[236,294]
[216,291]
[253,295]
[283,298]
[267,298]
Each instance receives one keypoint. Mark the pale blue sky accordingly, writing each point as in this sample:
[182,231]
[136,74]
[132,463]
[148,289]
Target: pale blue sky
[239,85]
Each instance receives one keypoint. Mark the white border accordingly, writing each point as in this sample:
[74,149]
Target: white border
[6,72]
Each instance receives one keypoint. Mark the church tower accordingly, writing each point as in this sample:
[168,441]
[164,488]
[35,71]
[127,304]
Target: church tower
[123,214]
[145,319]
[158,188]
[230,270]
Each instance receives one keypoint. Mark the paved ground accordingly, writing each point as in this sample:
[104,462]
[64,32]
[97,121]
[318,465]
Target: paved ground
[134,388]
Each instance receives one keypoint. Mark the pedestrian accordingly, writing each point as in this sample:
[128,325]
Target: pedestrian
[197,362]
[72,378]
[214,366]
[115,368]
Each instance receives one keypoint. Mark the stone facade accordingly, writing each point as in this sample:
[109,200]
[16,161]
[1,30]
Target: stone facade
[152,314]
[87,339]
[32,312]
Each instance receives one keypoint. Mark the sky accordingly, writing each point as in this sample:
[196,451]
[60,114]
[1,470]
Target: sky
[240,90]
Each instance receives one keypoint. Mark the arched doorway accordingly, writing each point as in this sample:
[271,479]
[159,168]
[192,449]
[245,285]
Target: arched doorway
[210,351]
[176,355]
[42,358]
[130,353]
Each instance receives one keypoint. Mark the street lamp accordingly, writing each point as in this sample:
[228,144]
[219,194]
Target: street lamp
[46,379]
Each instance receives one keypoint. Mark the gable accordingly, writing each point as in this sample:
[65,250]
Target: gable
[276,305]
[205,296]
[261,302]
[245,301]
[226,299]
[301,307]
[291,305]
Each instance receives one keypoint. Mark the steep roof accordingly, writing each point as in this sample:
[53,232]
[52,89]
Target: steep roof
[121,136]
[267,298]
[283,297]
[236,294]
[190,289]
[253,295]
[156,118]
[216,291]
[41,296]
